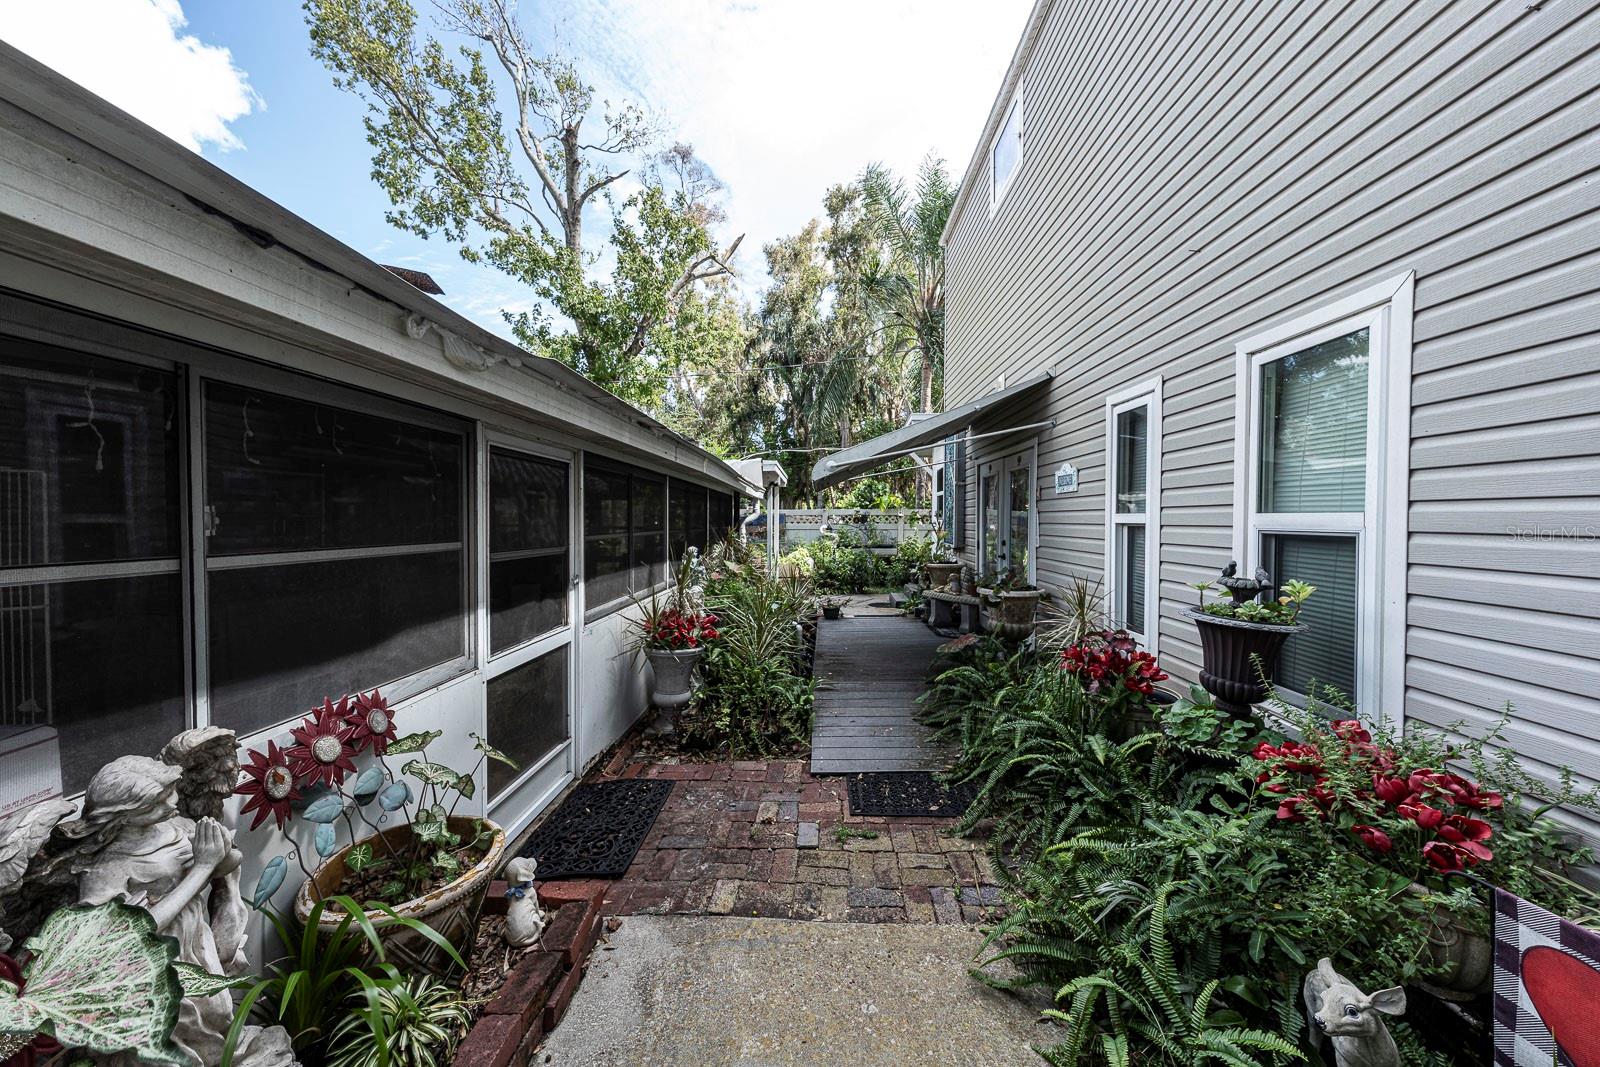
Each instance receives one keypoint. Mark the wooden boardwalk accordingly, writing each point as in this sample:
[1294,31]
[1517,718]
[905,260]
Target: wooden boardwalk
[870,671]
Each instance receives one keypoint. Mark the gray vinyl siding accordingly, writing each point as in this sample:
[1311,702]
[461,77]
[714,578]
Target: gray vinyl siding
[1193,174]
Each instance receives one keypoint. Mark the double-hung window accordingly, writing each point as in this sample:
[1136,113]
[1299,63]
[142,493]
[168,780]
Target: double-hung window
[1324,430]
[1133,509]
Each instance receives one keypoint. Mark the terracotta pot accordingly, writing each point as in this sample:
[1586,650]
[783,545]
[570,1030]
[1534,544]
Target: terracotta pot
[1230,650]
[672,684]
[451,910]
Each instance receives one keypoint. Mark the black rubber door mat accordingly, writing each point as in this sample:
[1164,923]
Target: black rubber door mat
[908,794]
[597,830]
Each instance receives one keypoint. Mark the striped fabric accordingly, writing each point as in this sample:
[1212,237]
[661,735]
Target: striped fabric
[1546,988]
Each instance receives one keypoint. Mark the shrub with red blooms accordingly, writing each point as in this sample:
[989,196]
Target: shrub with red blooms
[1110,665]
[675,630]
[1425,814]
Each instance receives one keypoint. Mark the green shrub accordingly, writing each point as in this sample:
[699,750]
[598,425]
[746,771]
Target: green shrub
[1172,889]
[841,568]
[905,566]
[755,698]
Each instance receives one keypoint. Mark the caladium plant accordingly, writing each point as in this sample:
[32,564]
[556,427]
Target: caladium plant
[322,767]
[100,978]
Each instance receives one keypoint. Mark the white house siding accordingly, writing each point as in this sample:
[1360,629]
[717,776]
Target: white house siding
[1195,173]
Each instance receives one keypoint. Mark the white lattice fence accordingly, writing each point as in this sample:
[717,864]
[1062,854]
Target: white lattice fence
[882,530]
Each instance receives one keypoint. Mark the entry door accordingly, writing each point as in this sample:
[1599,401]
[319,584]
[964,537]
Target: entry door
[1005,494]
[528,624]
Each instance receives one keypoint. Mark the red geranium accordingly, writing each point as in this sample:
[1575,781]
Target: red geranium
[323,753]
[269,784]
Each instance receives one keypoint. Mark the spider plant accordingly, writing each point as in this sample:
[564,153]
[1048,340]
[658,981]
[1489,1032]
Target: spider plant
[425,1020]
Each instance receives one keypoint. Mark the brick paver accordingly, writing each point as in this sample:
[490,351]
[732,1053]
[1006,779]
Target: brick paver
[767,838]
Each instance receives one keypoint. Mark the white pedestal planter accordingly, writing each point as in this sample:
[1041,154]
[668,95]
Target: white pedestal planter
[672,683]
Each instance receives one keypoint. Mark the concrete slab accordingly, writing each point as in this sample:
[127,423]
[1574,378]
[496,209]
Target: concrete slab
[702,991]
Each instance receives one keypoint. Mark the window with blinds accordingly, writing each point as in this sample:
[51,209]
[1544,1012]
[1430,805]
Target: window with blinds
[1326,655]
[1311,489]
[1314,428]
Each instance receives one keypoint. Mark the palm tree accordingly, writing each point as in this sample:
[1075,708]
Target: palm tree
[906,286]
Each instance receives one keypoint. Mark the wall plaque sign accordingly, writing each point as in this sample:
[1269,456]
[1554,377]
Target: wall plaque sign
[1066,479]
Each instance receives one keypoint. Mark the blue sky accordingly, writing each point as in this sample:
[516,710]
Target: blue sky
[780,97]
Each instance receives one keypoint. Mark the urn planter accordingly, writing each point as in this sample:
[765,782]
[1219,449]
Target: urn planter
[1464,957]
[672,685]
[451,910]
[938,575]
[1230,650]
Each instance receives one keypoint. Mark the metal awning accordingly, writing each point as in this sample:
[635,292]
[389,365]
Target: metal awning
[863,457]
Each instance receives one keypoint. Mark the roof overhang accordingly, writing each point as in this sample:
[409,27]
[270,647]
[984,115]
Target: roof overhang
[919,433]
[761,473]
[30,86]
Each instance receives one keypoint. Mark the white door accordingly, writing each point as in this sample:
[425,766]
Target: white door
[527,623]
[1005,513]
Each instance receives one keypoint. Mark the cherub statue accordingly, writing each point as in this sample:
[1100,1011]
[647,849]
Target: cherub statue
[1340,1011]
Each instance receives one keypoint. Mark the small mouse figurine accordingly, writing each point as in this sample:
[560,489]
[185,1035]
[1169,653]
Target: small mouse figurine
[524,918]
[1340,1011]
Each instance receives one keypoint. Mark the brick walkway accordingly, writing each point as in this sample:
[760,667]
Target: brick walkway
[764,839]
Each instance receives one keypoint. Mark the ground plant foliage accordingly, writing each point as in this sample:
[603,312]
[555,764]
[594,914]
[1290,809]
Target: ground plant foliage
[1172,872]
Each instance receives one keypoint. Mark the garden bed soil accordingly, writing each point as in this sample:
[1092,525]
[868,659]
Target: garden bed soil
[519,995]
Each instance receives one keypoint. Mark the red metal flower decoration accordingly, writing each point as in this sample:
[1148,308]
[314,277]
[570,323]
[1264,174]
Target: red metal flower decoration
[269,783]
[371,723]
[323,753]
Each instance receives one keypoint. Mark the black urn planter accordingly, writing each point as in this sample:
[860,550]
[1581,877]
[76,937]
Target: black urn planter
[1230,650]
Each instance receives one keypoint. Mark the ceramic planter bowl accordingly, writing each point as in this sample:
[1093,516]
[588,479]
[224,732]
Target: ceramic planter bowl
[452,910]
[1465,957]
[1230,650]
[672,685]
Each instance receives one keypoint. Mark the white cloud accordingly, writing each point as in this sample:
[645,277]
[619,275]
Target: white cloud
[784,98]
[135,54]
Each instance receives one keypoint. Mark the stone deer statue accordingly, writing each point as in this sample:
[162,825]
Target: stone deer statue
[1350,1018]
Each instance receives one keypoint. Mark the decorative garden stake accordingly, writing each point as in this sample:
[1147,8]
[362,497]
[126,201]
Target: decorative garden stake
[524,918]
[1340,1011]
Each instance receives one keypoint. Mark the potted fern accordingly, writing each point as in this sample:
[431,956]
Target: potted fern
[1241,637]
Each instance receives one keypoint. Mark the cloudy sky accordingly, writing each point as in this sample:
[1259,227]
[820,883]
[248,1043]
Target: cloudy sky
[781,97]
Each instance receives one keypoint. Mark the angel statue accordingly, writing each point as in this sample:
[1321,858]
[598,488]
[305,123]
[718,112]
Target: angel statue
[155,833]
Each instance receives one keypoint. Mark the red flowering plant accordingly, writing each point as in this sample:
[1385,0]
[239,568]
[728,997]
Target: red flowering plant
[1421,805]
[675,619]
[317,780]
[1110,666]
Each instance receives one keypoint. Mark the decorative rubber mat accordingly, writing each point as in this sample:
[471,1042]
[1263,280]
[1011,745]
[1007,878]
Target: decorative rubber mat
[597,830]
[909,794]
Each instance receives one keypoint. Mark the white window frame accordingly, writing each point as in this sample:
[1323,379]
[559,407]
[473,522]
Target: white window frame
[997,192]
[1145,394]
[1381,528]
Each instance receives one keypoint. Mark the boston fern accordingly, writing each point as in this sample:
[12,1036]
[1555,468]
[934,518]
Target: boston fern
[1148,999]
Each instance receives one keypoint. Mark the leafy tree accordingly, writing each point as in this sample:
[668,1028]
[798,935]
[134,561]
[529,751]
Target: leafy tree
[513,181]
